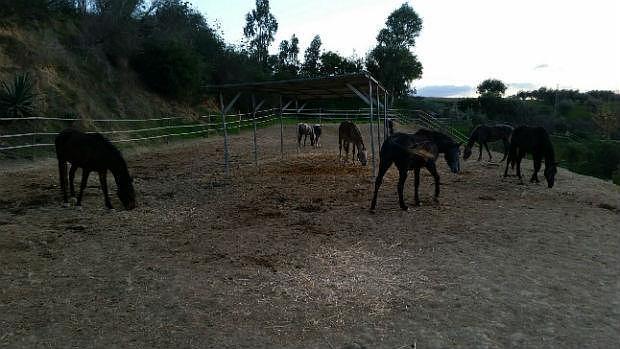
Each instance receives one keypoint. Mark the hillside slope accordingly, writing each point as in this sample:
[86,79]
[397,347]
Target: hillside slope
[74,80]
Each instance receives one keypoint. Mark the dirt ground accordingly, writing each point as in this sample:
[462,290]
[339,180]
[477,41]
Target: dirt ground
[287,256]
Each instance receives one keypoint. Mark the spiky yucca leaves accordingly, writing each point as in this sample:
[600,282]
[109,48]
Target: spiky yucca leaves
[18,98]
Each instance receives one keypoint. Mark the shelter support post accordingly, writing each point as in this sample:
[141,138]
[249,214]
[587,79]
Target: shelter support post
[255,108]
[379,118]
[225,109]
[386,125]
[372,137]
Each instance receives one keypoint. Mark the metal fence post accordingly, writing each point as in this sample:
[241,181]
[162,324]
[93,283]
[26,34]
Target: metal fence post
[254,119]
[386,124]
[281,131]
[34,138]
[225,135]
[378,119]
[372,137]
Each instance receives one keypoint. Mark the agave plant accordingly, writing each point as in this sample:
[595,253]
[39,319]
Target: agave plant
[17,99]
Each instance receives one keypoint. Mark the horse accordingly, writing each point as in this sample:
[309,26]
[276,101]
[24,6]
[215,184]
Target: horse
[92,152]
[445,145]
[412,152]
[304,130]
[536,141]
[348,132]
[318,130]
[483,134]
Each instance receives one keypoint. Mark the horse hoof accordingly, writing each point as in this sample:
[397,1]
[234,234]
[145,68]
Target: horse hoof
[78,207]
[66,205]
[404,208]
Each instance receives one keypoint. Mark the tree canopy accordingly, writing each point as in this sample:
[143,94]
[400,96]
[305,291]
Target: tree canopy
[260,28]
[312,57]
[492,88]
[392,61]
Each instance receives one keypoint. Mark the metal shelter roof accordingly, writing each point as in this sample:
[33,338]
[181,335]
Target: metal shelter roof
[342,86]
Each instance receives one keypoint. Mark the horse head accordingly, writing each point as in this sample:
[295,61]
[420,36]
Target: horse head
[126,193]
[550,172]
[452,156]
[362,155]
[466,152]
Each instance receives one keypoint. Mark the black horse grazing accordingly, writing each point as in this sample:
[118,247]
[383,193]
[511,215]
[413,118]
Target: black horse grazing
[304,130]
[483,134]
[318,130]
[536,141]
[349,133]
[412,152]
[92,152]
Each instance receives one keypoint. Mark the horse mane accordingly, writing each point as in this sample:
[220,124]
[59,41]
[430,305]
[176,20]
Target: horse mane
[114,151]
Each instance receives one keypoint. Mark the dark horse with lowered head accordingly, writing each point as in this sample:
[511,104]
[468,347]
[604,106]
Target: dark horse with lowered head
[485,133]
[349,133]
[92,152]
[536,141]
[412,152]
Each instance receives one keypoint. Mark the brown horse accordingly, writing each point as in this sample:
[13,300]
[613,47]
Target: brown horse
[92,152]
[348,133]
[483,134]
[412,152]
[536,141]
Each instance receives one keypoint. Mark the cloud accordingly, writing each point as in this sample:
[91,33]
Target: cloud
[522,85]
[541,66]
[445,91]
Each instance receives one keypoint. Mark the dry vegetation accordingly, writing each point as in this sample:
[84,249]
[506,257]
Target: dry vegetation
[74,80]
[287,255]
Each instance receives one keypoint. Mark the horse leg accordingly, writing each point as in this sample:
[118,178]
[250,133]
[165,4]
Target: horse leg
[85,174]
[103,179]
[402,176]
[537,164]
[340,149]
[480,155]
[62,171]
[518,161]
[486,146]
[433,170]
[506,146]
[346,150]
[507,164]
[383,167]
[72,180]
[416,176]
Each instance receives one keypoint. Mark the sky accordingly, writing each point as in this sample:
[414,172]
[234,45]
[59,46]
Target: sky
[525,43]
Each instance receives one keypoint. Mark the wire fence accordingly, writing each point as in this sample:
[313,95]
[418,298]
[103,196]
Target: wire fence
[34,137]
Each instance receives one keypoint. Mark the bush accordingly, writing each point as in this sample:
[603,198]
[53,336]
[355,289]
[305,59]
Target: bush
[169,68]
[35,9]
[17,99]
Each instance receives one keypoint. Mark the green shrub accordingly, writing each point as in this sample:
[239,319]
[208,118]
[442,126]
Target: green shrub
[170,69]
[18,98]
